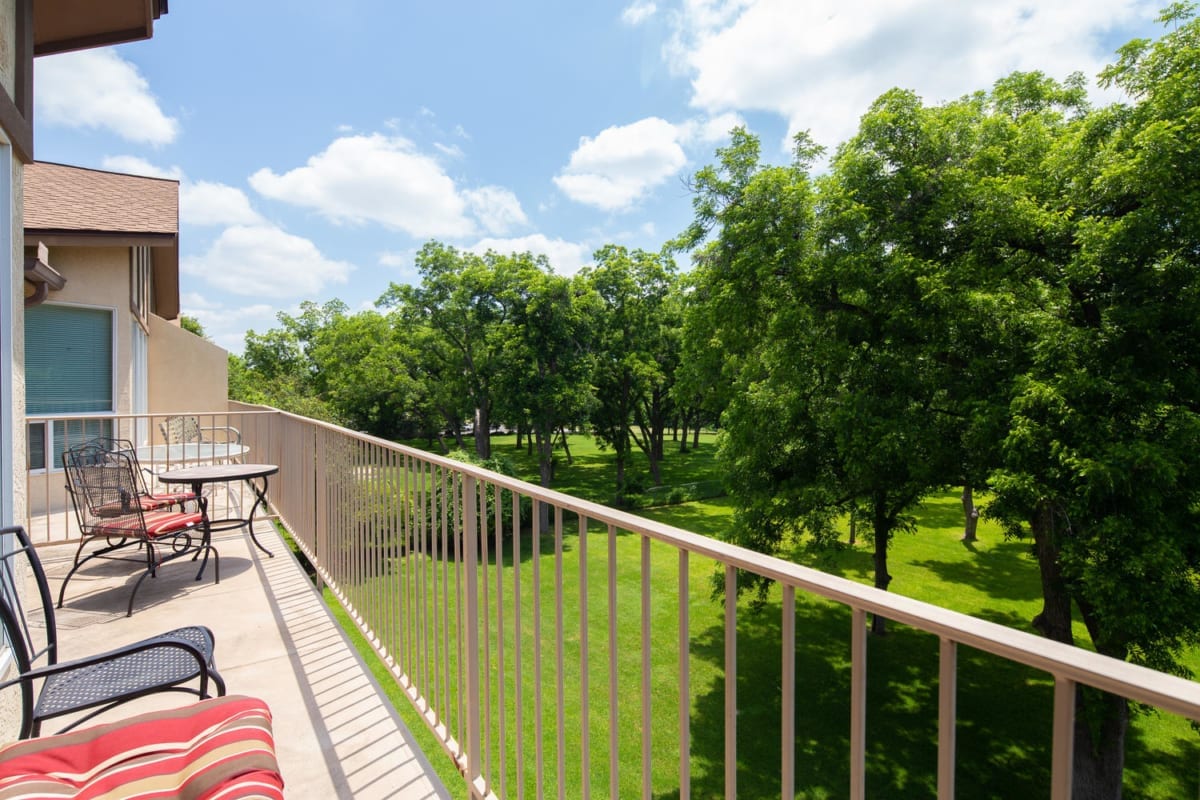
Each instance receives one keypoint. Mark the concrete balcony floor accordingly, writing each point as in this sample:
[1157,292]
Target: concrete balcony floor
[336,734]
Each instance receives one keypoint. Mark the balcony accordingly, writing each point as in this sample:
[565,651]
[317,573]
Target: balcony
[495,606]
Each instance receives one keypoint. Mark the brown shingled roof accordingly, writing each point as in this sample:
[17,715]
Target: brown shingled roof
[64,198]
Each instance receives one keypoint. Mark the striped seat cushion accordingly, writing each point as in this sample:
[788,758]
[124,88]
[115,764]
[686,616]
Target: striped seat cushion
[148,502]
[157,523]
[219,749]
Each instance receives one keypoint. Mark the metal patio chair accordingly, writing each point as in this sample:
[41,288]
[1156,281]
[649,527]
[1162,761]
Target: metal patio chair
[165,663]
[104,487]
[186,429]
[149,501]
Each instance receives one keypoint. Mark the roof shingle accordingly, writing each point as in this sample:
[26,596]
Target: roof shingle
[66,198]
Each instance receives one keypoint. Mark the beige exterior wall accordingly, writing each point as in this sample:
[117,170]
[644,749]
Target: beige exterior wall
[14,407]
[187,373]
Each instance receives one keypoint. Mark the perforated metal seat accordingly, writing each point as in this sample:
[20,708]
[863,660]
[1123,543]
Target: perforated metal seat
[164,663]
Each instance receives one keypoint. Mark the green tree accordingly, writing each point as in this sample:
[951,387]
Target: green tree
[1101,459]
[546,362]
[459,298]
[631,353]
[192,325]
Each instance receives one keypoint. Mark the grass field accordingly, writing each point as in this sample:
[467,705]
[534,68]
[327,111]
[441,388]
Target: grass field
[1003,709]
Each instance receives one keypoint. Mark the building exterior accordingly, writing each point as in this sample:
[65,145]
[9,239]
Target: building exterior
[101,301]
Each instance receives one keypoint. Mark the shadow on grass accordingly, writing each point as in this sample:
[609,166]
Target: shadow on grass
[1004,719]
[1001,571]
[1173,770]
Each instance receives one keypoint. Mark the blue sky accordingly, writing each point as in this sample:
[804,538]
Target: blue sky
[319,144]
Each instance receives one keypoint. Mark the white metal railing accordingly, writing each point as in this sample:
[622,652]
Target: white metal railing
[429,556]
[50,516]
[415,547]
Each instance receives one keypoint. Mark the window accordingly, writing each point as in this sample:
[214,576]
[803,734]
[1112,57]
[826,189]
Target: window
[139,284]
[68,370]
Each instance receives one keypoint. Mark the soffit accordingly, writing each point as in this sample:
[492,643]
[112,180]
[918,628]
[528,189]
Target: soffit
[63,25]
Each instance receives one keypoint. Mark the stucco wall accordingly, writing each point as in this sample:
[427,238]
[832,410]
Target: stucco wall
[187,373]
[14,407]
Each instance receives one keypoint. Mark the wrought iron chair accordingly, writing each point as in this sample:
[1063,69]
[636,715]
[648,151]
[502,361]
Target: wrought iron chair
[165,663]
[149,501]
[104,487]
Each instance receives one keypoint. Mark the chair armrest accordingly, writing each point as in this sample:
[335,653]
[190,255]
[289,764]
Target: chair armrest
[159,642]
[236,437]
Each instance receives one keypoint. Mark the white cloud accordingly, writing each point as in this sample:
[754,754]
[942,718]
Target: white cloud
[265,261]
[638,12]
[449,150]
[374,178]
[207,203]
[620,165]
[820,64]
[97,89]
[566,258]
[496,208]
[387,180]
[133,165]
[710,130]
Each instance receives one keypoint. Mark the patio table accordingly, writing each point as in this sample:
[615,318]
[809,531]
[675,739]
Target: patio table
[191,452]
[252,474]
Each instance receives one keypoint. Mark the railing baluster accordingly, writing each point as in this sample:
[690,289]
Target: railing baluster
[1062,757]
[730,681]
[460,521]
[558,649]
[858,704]
[518,645]
[502,741]
[585,726]
[685,690]
[471,548]
[482,536]
[947,716]
[788,701]
[647,756]
[539,726]
[613,717]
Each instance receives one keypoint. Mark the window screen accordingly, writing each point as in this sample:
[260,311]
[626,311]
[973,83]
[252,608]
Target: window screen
[68,360]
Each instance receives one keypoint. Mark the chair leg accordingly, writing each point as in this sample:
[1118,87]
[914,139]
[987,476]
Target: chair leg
[101,553]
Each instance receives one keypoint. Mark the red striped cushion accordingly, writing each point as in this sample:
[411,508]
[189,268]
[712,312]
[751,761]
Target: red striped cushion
[148,502]
[218,749]
[157,524]
[153,501]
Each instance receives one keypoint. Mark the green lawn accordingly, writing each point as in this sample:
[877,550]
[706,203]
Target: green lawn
[1003,709]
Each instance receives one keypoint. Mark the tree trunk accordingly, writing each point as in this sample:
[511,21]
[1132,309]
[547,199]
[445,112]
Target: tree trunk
[520,434]
[565,446]
[1054,621]
[696,434]
[1101,722]
[683,440]
[882,526]
[970,515]
[441,437]
[853,527]
[483,429]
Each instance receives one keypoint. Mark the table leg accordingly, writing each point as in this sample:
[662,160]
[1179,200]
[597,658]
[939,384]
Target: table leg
[205,524]
[260,499]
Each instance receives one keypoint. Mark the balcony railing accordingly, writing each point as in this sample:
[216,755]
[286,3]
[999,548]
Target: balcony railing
[496,605]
